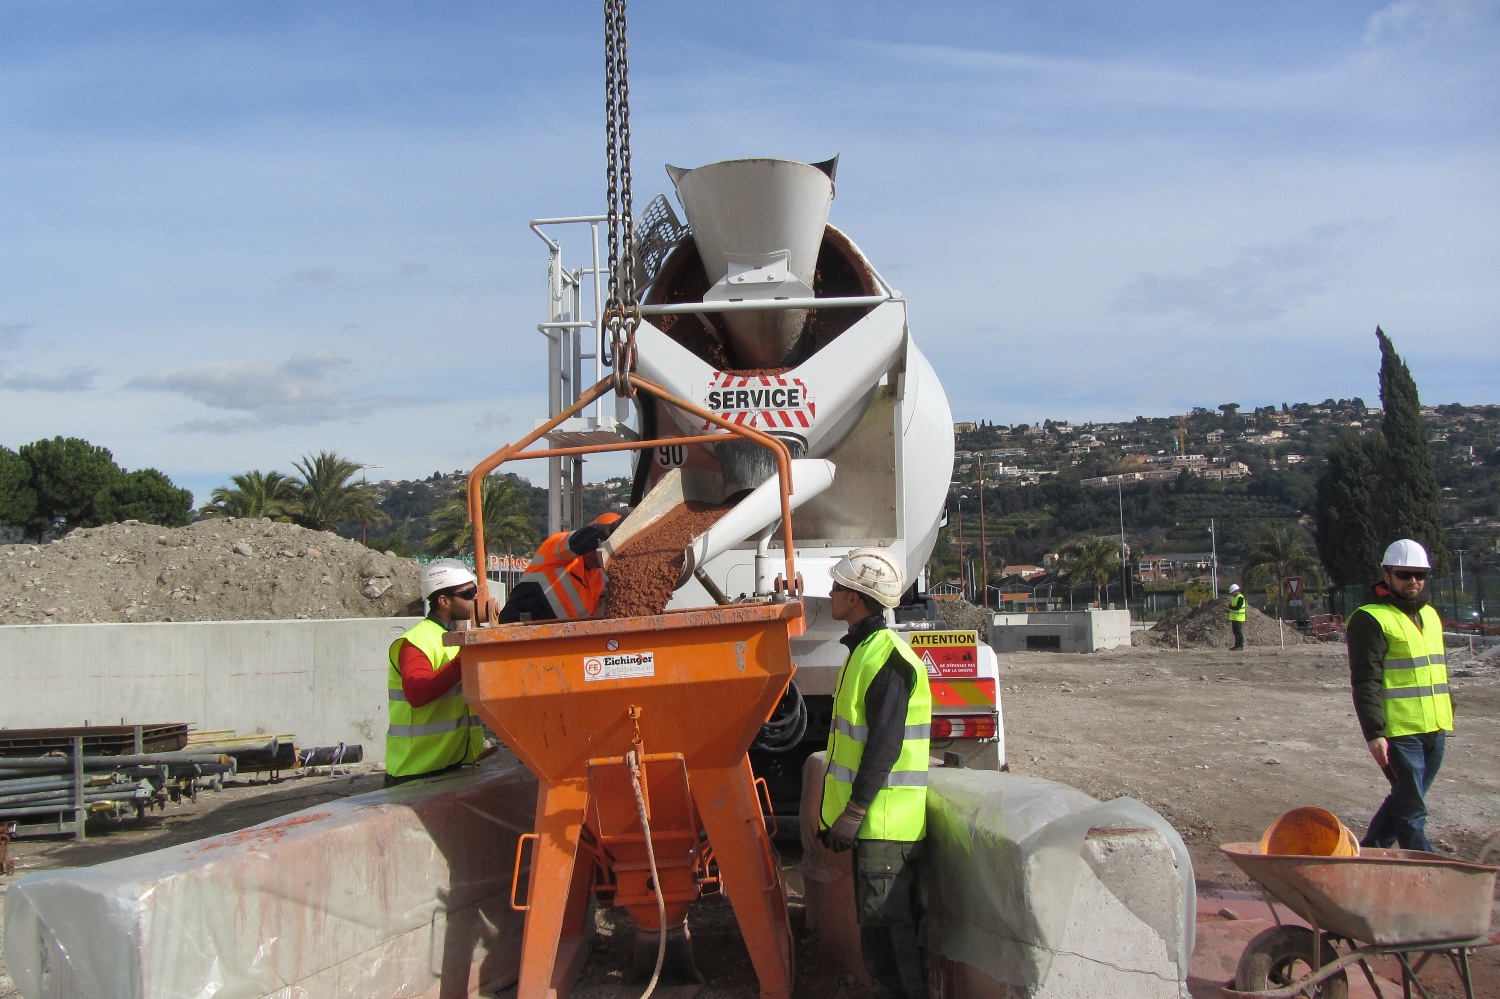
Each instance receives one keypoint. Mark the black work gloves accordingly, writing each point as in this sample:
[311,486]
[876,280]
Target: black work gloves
[845,829]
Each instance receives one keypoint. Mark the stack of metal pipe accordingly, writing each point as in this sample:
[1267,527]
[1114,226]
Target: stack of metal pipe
[36,787]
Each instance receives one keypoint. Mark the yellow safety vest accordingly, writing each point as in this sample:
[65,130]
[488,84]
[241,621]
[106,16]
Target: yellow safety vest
[899,811]
[438,734]
[1236,607]
[1414,674]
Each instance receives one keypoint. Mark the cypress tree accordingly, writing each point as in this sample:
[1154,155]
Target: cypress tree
[1409,502]
[1348,539]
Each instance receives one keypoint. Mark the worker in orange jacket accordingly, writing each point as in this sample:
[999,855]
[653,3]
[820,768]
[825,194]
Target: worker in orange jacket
[565,577]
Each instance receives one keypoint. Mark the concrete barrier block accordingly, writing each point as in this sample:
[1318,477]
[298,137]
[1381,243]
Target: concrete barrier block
[1034,890]
[398,893]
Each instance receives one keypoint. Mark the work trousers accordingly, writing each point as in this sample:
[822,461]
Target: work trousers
[887,909]
[1238,627]
[1402,818]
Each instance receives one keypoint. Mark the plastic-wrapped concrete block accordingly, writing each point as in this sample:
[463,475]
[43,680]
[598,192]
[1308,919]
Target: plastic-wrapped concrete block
[1033,889]
[399,893]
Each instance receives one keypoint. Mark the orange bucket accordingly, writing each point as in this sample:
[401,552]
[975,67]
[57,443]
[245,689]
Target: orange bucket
[1309,832]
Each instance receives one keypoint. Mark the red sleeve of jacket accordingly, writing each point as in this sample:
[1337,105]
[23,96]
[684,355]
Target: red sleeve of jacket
[419,681]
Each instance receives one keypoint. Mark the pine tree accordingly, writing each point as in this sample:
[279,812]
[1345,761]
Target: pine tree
[1349,542]
[1409,502]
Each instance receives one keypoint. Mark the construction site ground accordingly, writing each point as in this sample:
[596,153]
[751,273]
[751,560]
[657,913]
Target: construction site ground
[1218,742]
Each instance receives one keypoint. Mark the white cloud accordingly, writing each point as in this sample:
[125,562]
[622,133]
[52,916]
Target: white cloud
[321,274]
[492,419]
[296,392]
[1262,284]
[11,333]
[67,380]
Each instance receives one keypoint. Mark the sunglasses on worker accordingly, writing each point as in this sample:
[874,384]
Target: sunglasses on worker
[1406,575]
[468,593]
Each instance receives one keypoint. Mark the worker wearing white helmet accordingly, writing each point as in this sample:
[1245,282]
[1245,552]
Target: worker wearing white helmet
[875,788]
[1237,615]
[431,728]
[1399,674]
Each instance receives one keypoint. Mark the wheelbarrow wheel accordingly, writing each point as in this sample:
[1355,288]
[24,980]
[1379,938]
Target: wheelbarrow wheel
[1280,956]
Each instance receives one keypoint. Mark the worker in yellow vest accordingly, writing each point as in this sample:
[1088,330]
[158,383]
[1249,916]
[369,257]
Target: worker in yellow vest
[431,728]
[875,787]
[1237,615]
[1399,673]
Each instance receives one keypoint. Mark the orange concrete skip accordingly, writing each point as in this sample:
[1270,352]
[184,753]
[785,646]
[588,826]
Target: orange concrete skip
[393,893]
[681,695]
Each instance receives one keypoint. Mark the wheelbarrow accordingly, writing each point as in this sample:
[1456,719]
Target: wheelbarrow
[1402,903]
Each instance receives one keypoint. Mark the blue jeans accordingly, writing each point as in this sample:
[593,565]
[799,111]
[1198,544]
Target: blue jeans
[1402,817]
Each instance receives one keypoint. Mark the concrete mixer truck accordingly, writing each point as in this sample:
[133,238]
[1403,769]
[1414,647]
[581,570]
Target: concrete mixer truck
[758,310]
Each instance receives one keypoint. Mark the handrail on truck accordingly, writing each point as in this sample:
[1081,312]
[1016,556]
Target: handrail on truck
[517,451]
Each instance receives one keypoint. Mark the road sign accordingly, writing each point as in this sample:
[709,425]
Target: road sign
[1294,587]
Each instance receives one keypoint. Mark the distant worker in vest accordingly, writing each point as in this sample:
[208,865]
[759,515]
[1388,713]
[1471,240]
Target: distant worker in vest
[565,577]
[875,788]
[1237,616]
[431,728]
[1399,674]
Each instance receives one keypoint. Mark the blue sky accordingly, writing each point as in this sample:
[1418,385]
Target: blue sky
[234,233]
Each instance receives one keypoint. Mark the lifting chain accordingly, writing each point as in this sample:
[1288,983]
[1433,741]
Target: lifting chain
[622,312]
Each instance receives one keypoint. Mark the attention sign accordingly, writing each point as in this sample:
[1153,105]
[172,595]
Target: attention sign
[947,653]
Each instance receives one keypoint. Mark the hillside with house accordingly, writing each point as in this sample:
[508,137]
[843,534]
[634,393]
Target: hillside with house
[1187,492]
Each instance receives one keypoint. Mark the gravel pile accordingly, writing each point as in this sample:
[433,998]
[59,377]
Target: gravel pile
[960,615]
[214,570]
[1207,627]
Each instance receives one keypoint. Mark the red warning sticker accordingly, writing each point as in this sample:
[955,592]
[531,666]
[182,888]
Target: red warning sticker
[947,653]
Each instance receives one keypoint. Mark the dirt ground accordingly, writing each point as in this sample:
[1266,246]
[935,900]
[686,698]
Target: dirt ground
[1219,742]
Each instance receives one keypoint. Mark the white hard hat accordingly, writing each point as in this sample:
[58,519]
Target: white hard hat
[873,572]
[1407,553]
[1234,587]
[443,574]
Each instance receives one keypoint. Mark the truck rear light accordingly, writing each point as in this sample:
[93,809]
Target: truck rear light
[963,727]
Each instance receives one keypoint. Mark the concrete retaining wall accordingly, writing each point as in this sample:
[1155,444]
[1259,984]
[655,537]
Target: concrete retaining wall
[324,681]
[1060,631]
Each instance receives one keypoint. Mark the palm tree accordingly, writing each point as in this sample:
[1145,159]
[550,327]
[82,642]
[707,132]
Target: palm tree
[1092,560]
[1278,552]
[506,524]
[325,498]
[255,494]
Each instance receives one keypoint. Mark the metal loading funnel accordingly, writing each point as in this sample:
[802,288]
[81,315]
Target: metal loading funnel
[688,691]
[758,224]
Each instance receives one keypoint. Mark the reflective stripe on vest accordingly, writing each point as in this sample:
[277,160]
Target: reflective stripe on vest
[899,811]
[1237,607]
[572,589]
[1414,673]
[438,734]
